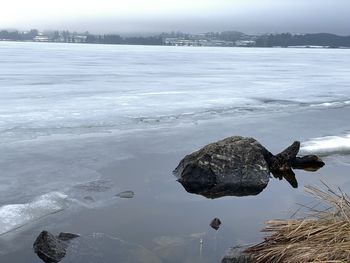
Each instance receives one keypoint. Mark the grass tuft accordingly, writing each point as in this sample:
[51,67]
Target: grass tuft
[322,236]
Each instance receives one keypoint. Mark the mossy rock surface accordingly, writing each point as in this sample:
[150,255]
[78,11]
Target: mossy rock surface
[234,166]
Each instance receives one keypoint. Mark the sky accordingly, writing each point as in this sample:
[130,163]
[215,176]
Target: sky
[192,16]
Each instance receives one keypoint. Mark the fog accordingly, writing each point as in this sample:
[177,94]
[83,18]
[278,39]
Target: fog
[152,16]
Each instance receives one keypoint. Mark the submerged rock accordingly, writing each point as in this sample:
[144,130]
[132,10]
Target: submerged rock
[101,247]
[52,249]
[89,199]
[95,186]
[236,255]
[126,194]
[67,236]
[238,166]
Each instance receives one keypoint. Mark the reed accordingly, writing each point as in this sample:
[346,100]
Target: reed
[323,235]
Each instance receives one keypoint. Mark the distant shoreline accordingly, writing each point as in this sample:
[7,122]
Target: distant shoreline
[210,39]
[164,45]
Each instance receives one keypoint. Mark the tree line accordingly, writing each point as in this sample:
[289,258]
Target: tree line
[287,39]
[267,40]
[74,37]
[18,36]
[117,39]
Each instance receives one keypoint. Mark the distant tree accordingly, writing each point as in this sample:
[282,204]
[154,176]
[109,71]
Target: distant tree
[231,36]
[153,40]
[56,36]
[33,33]
[91,39]
[112,39]
[65,34]
[11,35]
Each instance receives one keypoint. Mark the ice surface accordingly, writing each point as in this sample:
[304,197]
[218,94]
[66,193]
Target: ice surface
[70,90]
[327,145]
[13,216]
[63,89]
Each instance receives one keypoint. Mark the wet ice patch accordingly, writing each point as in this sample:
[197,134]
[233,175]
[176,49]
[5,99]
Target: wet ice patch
[100,247]
[95,186]
[327,145]
[14,216]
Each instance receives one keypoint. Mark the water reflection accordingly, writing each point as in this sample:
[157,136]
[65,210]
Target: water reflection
[288,175]
[240,166]
[220,189]
[309,163]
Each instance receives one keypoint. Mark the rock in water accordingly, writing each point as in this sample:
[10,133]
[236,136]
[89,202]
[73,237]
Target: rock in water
[52,249]
[240,166]
[234,166]
[215,223]
[49,248]
[308,163]
[126,194]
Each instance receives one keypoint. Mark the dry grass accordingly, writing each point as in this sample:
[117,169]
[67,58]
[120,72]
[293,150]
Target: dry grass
[323,236]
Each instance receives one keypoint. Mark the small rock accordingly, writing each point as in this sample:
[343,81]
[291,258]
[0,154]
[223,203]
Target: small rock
[52,249]
[215,223]
[126,194]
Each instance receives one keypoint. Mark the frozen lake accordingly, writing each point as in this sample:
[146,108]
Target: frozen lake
[81,123]
[57,88]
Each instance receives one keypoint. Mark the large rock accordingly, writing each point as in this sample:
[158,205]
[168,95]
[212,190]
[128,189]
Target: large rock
[52,249]
[239,166]
[234,166]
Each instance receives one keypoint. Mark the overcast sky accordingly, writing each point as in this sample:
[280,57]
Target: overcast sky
[152,16]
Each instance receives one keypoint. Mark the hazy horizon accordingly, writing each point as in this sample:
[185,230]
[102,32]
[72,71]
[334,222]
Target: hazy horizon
[149,34]
[191,16]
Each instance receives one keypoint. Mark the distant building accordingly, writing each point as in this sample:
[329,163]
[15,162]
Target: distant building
[79,39]
[171,41]
[41,38]
[196,41]
[245,43]
[220,43]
